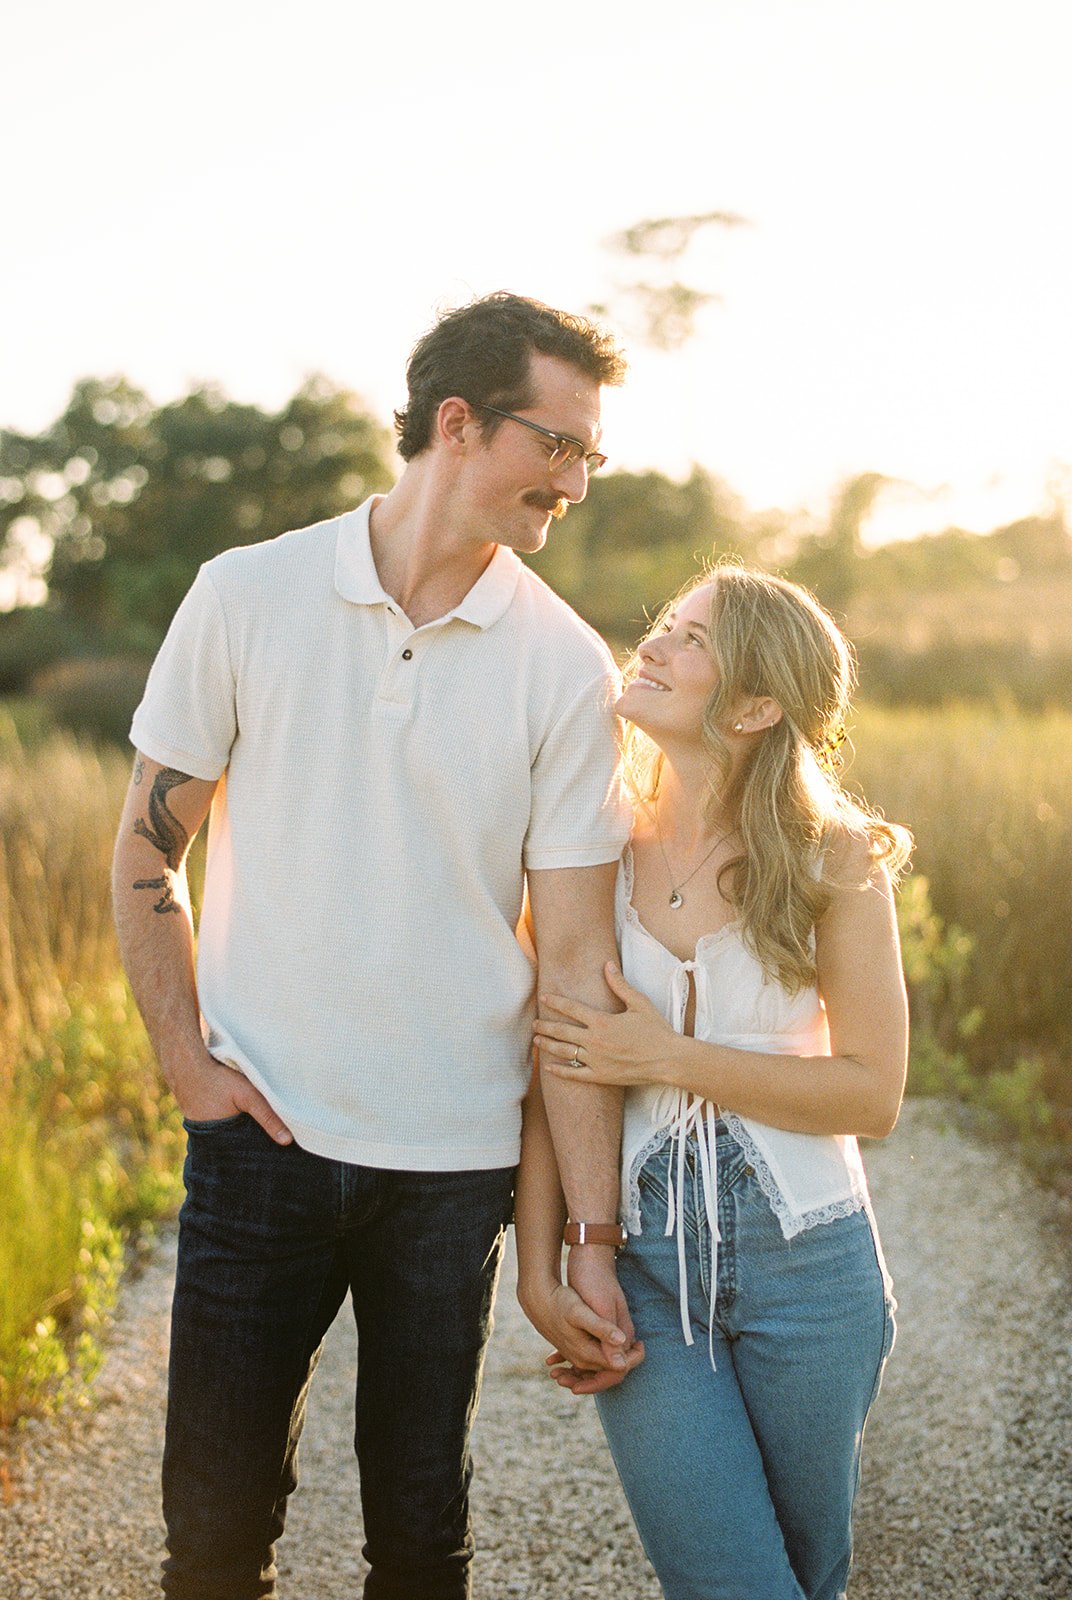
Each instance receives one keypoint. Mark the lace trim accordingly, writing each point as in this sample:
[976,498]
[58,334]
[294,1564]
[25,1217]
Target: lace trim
[632,1198]
[627,885]
[790,1222]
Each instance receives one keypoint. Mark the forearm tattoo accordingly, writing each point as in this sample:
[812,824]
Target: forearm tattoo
[165,833]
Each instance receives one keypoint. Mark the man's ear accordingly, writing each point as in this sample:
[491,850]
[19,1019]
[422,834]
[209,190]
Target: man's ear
[456,424]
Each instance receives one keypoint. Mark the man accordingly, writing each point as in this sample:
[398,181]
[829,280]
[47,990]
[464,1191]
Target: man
[393,723]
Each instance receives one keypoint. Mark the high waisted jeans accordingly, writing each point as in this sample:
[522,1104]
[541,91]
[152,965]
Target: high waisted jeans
[741,1479]
[271,1239]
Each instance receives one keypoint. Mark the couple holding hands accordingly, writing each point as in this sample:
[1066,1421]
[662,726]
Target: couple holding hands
[397,728]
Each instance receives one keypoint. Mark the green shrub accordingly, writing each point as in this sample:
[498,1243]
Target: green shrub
[60,1261]
[1014,1102]
[31,639]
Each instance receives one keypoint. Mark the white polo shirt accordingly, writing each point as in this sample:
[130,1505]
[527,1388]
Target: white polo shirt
[385,788]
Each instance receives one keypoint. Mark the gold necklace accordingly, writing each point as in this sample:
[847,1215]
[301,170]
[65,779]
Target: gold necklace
[677,899]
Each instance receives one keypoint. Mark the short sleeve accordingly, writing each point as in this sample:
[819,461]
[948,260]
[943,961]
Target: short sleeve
[579,815]
[187,715]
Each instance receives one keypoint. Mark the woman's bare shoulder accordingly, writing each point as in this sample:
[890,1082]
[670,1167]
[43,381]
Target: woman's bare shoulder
[850,861]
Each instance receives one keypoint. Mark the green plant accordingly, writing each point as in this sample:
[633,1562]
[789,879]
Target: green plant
[1016,1096]
[1011,1102]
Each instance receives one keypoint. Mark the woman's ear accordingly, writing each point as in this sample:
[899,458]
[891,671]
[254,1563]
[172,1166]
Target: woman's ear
[753,716]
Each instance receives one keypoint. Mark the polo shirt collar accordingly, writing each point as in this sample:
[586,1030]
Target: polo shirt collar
[356,577]
[357,580]
[493,591]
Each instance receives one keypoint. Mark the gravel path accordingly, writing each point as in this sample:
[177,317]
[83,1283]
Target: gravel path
[967,1475]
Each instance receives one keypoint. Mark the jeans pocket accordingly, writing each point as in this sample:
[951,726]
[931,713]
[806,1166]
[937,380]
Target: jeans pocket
[652,1178]
[192,1125]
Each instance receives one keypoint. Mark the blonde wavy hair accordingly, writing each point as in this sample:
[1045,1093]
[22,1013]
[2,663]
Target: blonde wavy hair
[769,637]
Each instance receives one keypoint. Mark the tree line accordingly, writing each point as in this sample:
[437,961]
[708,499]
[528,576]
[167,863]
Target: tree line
[106,514]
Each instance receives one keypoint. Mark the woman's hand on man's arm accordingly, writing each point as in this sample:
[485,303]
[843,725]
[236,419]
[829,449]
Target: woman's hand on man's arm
[586,1045]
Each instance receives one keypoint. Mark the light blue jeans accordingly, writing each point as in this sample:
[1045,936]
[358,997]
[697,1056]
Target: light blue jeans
[741,1480]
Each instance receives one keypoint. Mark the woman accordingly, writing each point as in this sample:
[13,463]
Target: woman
[765,1026]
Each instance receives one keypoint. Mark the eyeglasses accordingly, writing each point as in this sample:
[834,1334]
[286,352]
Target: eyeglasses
[567,451]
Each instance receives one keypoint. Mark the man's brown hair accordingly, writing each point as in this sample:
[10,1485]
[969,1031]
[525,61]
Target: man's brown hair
[481,352]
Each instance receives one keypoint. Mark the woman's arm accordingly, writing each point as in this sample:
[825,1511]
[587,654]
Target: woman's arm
[857,1089]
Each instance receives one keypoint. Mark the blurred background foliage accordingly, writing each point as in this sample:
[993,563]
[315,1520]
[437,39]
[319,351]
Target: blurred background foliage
[964,733]
[106,515]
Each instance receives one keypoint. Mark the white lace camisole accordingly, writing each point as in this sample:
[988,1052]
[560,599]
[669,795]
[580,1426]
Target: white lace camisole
[808,1178]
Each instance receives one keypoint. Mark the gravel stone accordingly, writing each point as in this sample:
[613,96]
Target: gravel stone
[967,1481]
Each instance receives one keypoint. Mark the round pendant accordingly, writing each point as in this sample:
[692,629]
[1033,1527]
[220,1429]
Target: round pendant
[675,901]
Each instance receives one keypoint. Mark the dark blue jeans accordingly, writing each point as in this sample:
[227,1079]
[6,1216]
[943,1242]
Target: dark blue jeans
[271,1239]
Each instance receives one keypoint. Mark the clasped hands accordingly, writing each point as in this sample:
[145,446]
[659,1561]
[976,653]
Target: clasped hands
[615,1048]
[587,1321]
[586,1318]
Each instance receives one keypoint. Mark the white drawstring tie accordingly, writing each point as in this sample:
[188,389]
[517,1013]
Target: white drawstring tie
[690,1113]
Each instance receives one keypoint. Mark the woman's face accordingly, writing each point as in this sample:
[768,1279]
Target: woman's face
[677,674]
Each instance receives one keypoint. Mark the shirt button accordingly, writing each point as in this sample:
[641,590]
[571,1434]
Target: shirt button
[407,655]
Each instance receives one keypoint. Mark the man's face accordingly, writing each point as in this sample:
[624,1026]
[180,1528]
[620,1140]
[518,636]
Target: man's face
[514,493]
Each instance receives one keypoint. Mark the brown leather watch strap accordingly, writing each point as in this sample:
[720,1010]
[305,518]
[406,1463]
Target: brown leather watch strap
[595,1233]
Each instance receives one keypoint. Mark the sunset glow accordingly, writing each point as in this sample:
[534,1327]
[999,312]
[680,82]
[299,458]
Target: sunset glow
[265,193]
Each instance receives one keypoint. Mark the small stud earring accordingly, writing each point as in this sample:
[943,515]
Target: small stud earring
[738,727]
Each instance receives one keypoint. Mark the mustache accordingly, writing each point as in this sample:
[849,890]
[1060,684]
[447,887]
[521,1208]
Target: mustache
[552,503]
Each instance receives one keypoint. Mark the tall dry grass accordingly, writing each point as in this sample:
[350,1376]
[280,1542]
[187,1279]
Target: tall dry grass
[89,1144]
[57,818]
[988,794]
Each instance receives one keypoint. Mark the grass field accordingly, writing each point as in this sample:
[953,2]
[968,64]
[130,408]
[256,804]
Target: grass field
[90,1144]
[989,798]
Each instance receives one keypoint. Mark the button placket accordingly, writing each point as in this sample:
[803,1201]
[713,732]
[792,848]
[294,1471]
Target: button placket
[397,681]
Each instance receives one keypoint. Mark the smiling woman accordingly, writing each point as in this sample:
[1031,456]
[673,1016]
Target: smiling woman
[763,1028]
[675,661]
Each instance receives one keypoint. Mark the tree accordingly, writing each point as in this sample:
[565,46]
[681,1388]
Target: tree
[662,312]
[121,501]
[829,562]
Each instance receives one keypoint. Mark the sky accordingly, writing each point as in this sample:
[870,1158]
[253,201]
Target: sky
[247,193]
